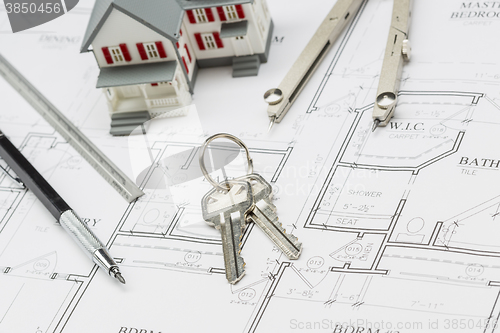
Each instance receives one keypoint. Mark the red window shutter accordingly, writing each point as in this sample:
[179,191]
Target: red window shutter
[199,41]
[221,13]
[190,15]
[154,84]
[187,51]
[161,49]
[177,44]
[239,10]
[218,41]
[142,51]
[126,53]
[210,15]
[185,66]
[181,32]
[107,55]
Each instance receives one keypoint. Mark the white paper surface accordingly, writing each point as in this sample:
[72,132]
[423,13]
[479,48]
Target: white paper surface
[399,227]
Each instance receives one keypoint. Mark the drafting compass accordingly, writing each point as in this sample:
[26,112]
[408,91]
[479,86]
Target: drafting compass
[397,50]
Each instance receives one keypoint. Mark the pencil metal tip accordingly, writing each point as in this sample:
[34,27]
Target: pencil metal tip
[119,277]
[271,124]
[376,122]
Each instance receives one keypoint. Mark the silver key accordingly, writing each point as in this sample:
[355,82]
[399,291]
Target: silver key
[226,212]
[263,214]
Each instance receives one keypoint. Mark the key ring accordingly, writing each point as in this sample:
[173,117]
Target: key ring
[202,160]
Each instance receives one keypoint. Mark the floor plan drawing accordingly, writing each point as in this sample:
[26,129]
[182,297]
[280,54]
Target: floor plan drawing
[388,242]
[398,225]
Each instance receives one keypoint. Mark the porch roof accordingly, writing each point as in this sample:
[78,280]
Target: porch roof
[234,29]
[128,75]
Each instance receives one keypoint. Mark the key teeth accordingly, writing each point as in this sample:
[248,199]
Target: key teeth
[271,205]
[241,265]
[292,255]
[291,236]
[264,212]
[295,256]
[294,240]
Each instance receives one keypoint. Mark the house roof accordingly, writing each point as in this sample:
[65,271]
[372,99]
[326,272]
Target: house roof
[162,16]
[163,71]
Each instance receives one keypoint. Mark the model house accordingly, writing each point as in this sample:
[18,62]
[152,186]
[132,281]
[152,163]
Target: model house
[149,52]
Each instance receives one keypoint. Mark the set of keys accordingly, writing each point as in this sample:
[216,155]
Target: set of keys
[232,204]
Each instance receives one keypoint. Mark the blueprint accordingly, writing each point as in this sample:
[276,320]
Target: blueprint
[399,226]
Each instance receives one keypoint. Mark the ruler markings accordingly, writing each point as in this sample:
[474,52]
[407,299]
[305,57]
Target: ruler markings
[100,162]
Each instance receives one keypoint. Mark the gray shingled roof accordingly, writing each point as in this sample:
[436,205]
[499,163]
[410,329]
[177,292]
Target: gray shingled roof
[162,16]
[163,71]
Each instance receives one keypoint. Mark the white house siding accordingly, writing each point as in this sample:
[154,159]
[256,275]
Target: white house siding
[184,40]
[257,42]
[256,36]
[262,18]
[120,28]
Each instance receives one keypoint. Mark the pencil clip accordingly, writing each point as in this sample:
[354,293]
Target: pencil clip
[16,179]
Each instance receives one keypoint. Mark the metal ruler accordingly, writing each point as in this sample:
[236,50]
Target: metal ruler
[102,164]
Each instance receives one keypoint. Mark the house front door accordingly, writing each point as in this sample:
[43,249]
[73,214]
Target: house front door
[130,91]
[241,46]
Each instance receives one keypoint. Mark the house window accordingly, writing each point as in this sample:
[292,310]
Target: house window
[151,50]
[116,54]
[200,15]
[161,84]
[230,12]
[208,41]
